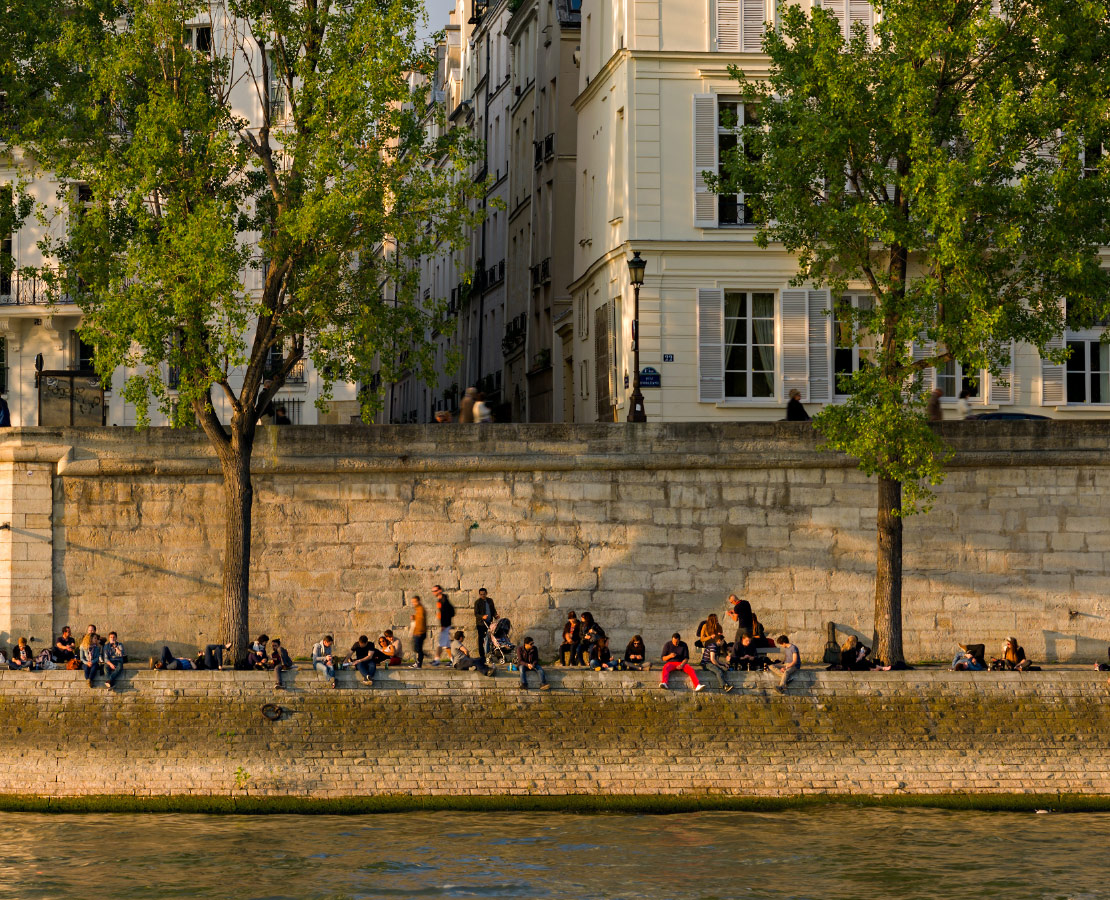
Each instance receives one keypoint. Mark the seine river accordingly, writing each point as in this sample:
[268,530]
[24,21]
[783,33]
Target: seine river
[837,853]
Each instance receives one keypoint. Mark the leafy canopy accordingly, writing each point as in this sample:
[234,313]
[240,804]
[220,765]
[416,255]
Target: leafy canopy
[260,199]
[949,164]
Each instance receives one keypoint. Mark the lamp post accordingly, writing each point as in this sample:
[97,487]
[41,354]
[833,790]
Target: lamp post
[636,267]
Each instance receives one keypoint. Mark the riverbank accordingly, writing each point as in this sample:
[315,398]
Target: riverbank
[438,739]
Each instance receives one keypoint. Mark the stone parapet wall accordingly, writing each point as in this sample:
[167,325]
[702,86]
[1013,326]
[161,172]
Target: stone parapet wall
[453,734]
[649,527]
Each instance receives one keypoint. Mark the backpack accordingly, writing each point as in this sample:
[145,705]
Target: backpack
[697,632]
[832,648]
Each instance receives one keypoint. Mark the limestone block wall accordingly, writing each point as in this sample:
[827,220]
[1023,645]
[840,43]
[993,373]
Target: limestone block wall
[649,528]
[441,733]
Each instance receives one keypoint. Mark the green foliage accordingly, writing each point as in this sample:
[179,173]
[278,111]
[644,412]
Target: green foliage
[301,152]
[941,168]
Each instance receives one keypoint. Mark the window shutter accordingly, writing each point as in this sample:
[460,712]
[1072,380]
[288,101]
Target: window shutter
[795,343]
[614,355]
[1002,385]
[755,14]
[1052,376]
[839,8]
[861,12]
[705,159]
[922,349]
[820,344]
[601,364]
[728,25]
[711,345]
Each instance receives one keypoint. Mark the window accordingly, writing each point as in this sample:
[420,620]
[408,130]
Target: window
[275,87]
[849,351]
[749,343]
[1088,371]
[7,257]
[952,381]
[199,38]
[741,25]
[84,355]
[731,114]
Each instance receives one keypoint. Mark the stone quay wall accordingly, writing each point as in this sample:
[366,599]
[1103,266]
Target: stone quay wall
[649,527]
[454,734]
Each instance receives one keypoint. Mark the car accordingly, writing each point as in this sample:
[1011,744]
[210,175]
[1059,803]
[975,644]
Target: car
[1006,417]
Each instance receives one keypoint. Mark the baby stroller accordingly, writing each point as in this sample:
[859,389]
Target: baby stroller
[501,649]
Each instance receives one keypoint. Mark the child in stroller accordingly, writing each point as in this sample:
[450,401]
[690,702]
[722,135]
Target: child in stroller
[501,649]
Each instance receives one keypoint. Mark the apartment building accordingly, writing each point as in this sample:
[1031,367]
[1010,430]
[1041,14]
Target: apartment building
[507,73]
[31,326]
[722,333]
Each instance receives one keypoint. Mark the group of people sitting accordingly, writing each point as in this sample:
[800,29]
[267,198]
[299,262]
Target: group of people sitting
[973,658]
[96,655]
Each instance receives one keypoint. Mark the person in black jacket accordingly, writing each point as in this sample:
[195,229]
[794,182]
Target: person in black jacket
[635,655]
[281,660]
[591,634]
[572,637]
[795,412]
[528,658]
[445,615]
[484,614]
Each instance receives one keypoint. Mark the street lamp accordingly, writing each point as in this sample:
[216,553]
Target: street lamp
[636,268]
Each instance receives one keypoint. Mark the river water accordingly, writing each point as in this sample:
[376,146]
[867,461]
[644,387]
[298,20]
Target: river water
[835,852]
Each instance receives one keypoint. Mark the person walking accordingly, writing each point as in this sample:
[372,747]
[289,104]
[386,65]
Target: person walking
[482,412]
[323,660]
[484,614]
[466,407]
[676,655]
[113,660]
[932,407]
[795,412]
[790,666]
[445,615]
[528,658]
[419,629]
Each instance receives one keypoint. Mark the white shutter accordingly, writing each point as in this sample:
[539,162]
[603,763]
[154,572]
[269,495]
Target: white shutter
[795,343]
[728,26]
[838,8]
[1002,385]
[923,349]
[1053,389]
[820,344]
[755,14]
[860,11]
[705,159]
[711,345]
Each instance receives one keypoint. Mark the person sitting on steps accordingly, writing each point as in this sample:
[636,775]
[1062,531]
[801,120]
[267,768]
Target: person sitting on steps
[790,666]
[528,658]
[676,655]
[461,658]
[635,655]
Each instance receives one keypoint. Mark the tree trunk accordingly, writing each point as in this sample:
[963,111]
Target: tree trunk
[239,499]
[888,574]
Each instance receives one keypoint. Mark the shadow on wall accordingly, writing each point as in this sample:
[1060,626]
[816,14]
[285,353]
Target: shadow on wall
[563,524]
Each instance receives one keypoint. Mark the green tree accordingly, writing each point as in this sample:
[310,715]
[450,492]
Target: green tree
[948,162]
[285,144]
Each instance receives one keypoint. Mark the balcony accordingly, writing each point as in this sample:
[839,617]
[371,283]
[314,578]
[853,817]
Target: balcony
[515,333]
[16,290]
[545,271]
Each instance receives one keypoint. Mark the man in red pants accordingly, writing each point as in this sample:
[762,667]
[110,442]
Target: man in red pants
[676,655]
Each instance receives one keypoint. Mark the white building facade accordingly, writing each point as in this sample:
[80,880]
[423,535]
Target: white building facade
[722,332]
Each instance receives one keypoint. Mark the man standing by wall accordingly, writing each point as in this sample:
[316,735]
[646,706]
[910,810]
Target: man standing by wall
[484,614]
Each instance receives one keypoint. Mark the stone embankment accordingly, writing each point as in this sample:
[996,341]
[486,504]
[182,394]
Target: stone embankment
[443,734]
[648,527]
